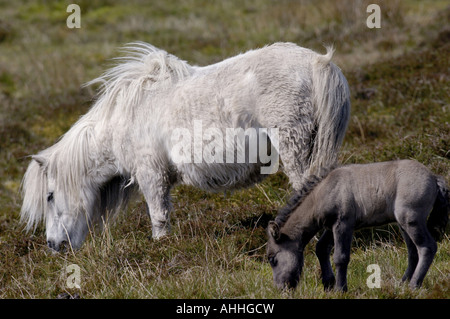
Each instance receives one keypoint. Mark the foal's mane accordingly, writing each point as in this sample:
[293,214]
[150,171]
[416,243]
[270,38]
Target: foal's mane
[299,196]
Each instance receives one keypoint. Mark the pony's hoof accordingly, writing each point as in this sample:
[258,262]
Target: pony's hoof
[158,234]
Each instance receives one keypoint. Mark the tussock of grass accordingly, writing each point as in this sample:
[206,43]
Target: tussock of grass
[398,77]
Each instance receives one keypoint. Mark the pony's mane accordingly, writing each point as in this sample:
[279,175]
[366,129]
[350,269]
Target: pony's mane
[33,188]
[69,161]
[310,182]
[143,68]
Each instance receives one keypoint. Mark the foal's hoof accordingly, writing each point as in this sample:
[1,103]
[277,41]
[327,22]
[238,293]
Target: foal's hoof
[328,285]
[342,289]
[414,285]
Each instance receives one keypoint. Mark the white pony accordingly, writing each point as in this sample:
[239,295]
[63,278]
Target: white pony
[126,141]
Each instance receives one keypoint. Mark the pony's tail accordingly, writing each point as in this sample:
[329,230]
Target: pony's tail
[331,102]
[438,219]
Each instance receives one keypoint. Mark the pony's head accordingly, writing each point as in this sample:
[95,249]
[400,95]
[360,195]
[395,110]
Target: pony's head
[62,189]
[45,198]
[285,257]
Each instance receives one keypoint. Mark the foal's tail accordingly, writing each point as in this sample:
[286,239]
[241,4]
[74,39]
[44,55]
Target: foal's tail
[437,221]
[331,99]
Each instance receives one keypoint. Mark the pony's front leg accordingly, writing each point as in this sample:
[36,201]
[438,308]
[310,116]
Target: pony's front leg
[156,191]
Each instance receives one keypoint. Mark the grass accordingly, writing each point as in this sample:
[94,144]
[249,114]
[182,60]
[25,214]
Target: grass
[398,76]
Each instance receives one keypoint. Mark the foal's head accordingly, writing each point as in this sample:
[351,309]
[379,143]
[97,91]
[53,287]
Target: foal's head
[285,257]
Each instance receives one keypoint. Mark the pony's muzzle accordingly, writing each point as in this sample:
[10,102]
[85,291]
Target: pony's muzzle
[53,245]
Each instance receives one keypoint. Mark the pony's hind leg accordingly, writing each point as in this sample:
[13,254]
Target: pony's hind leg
[294,149]
[426,248]
[323,251]
[413,257]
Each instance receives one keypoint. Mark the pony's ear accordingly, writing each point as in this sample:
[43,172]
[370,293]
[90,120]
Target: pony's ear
[41,160]
[274,230]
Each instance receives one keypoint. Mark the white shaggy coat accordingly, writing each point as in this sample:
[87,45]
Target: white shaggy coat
[125,139]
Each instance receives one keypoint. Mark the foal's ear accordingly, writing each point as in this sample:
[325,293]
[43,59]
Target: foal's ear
[274,230]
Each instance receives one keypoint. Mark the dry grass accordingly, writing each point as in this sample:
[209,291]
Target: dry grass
[400,109]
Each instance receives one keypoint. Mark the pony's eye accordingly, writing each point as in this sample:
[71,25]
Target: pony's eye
[272,261]
[50,197]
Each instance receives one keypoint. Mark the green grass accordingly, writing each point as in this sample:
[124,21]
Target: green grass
[398,76]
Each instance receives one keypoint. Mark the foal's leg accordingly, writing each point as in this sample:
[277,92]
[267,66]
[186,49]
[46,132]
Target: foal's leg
[426,249]
[342,232]
[157,195]
[323,251]
[413,258]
